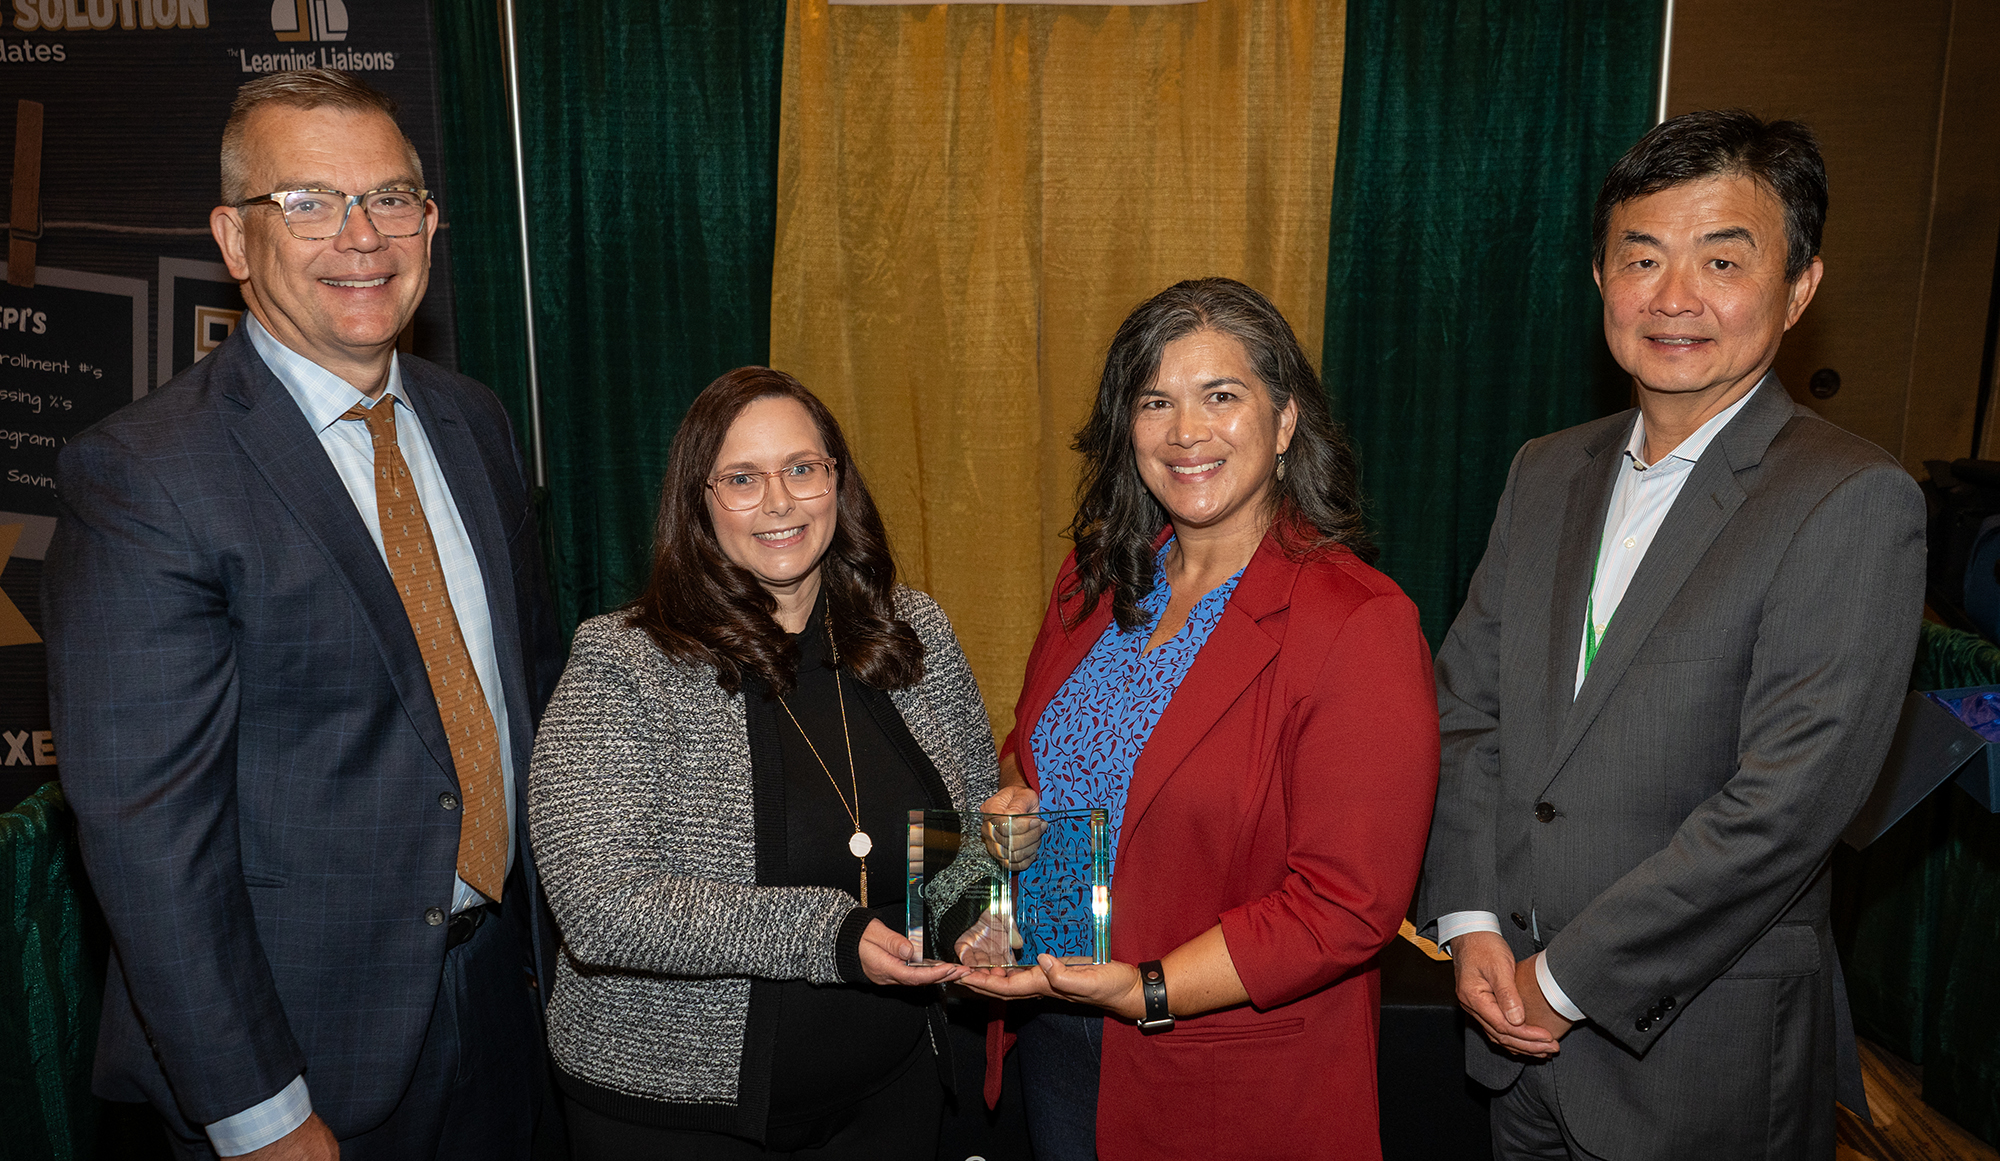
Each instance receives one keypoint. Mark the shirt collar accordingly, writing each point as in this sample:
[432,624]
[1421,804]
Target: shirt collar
[321,394]
[1690,449]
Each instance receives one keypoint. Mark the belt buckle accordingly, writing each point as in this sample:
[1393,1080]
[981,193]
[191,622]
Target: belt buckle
[463,925]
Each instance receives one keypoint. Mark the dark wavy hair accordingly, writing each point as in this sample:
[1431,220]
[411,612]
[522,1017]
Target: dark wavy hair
[703,608]
[1318,503]
[1781,156]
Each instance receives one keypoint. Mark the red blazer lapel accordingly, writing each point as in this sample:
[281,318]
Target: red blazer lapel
[1057,653]
[1236,652]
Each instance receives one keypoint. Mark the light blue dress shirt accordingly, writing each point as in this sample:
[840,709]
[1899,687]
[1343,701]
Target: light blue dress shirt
[324,397]
[1641,497]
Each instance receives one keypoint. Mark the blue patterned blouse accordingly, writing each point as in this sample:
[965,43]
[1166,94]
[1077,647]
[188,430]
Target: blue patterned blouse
[1092,732]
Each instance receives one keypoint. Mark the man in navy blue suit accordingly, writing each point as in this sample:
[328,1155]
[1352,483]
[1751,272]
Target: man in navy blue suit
[298,644]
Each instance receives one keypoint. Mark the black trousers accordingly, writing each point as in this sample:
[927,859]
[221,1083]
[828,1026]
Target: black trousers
[899,1122]
[1526,1125]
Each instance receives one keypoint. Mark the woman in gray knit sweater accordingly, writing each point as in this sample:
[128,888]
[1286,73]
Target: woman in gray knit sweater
[717,803]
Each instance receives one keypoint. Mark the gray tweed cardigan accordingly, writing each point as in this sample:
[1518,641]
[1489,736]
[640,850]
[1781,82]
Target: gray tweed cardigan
[640,812]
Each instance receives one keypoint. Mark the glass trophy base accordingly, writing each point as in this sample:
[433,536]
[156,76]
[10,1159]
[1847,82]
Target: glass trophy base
[998,890]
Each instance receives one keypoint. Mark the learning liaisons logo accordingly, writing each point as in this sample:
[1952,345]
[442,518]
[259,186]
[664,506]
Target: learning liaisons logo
[294,21]
[309,19]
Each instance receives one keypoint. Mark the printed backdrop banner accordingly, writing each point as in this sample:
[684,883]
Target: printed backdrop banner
[128,288]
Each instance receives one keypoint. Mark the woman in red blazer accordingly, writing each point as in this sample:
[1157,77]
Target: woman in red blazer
[1255,701]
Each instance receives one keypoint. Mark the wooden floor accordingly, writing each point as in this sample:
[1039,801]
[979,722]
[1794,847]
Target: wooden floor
[1905,1128]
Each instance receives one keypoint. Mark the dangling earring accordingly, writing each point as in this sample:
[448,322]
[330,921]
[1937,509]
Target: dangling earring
[1281,467]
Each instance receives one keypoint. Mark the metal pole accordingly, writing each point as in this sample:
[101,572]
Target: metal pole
[508,44]
[1666,61]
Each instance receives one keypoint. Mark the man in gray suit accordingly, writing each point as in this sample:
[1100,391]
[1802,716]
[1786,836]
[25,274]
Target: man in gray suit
[1671,686]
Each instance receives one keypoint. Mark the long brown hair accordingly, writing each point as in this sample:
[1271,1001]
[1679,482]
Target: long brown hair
[1117,518]
[701,607]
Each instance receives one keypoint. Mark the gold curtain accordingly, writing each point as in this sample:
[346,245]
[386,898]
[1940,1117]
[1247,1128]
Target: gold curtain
[970,199]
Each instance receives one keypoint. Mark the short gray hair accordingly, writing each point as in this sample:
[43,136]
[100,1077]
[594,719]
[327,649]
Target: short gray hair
[313,88]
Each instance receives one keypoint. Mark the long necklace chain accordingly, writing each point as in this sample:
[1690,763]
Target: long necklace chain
[859,844]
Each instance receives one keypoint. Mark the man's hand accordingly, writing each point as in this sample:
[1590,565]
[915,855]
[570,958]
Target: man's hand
[312,1141]
[1534,1004]
[1489,992]
[885,960]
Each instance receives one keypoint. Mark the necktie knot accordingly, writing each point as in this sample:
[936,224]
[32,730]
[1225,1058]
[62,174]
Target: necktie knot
[381,418]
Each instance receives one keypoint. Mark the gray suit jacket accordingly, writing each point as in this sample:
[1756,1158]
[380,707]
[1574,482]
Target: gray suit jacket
[1666,830]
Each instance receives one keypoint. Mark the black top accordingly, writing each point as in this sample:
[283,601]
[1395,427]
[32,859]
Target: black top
[810,1051]
[837,1044]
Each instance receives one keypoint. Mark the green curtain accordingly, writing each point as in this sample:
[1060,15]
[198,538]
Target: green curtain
[1962,1045]
[1886,897]
[1917,920]
[478,205]
[1954,932]
[50,985]
[651,152]
[1885,914]
[1953,659]
[1461,319]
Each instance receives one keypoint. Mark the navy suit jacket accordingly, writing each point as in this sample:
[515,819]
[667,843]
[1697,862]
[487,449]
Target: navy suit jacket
[251,744]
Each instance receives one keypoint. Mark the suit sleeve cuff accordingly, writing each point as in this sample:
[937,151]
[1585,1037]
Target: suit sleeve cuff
[262,1123]
[1552,991]
[1458,923]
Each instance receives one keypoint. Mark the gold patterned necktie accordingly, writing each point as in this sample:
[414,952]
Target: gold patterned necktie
[468,723]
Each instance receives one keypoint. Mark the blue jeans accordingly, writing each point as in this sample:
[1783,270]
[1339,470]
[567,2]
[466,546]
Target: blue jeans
[1060,1046]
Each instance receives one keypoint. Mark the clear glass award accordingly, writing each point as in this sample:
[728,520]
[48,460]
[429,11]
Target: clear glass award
[997,890]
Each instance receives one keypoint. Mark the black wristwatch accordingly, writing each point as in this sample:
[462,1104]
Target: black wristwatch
[1153,986]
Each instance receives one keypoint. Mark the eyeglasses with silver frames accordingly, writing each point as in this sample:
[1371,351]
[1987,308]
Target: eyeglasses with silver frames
[314,215]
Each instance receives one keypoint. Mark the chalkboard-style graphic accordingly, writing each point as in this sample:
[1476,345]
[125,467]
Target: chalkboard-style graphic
[136,93]
[73,349]
[200,305]
[309,19]
[14,628]
[211,326]
[27,748]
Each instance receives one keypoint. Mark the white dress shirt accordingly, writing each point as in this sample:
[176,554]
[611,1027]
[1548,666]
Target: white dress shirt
[1641,497]
[324,397]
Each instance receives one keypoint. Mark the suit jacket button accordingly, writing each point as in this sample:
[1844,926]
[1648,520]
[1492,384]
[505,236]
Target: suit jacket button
[1644,1025]
[434,916]
[448,800]
[1667,1005]
[1653,1013]
[1520,920]
[1545,811]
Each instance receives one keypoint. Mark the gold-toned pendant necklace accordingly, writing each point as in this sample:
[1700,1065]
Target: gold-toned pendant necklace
[858,844]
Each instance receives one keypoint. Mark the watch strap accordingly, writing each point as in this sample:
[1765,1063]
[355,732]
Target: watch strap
[1153,989]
